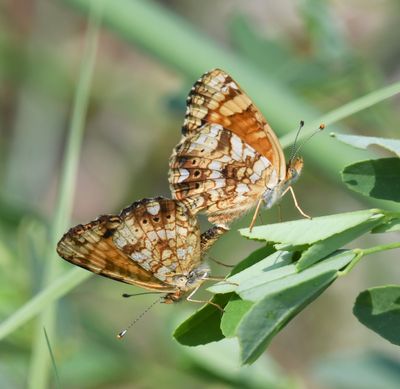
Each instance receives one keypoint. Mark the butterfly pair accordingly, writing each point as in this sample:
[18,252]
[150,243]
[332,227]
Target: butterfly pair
[228,161]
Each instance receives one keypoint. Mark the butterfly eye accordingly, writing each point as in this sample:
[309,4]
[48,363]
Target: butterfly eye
[191,277]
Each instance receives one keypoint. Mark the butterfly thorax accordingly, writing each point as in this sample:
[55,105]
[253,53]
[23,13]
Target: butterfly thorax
[273,195]
[187,282]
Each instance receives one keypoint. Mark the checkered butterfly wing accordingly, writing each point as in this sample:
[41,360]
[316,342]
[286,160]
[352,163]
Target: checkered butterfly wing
[228,153]
[146,245]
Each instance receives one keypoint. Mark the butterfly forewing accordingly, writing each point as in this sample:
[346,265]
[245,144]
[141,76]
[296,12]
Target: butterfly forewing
[217,99]
[139,246]
[228,154]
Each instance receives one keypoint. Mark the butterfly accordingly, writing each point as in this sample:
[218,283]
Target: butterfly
[228,159]
[154,243]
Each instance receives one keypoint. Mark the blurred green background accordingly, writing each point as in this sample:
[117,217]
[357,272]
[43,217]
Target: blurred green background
[297,60]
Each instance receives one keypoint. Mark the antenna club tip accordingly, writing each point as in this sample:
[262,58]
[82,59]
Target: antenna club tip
[322,126]
[121,334]
[302,123]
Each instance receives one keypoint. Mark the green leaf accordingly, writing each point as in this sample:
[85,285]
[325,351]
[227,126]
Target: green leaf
[320,249]
[362,142]
[379,178]
[320,236]
[234,312]
[390,226]
[253,258]
[312,231]
[267,317]
[379,310]
[269,266]
[204,326]
[287,277]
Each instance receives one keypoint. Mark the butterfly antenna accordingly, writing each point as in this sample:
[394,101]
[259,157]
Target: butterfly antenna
[126,295]
[292,153]
[320,128]
[123,332]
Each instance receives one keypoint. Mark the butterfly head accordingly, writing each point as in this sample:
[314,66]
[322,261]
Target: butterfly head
[186,282]
[293,170]
[273,195]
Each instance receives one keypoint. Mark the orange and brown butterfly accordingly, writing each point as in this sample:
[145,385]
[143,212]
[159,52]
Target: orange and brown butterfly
[154,243]
[229,159]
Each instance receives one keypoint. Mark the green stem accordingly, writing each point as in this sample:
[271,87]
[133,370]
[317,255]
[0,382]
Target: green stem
[53,360]
[360,253]
[57,289]
[383,247]
[40,360]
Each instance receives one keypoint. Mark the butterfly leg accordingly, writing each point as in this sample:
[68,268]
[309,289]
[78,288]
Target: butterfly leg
[220,279]
[189,298]
[253,220]
[296,203]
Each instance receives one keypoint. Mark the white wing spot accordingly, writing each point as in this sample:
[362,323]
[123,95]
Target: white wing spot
[260,165]
[254,178]
[233,85]
[171,234]
[181,231]
[146,266]
[248,152]
[214,194]
[138,256]
[219,183]
[154,209]
[181,253]
[183,174]
[161,234]
[152,235]
[273,179]
[166,254]
[215,165]
[215,174]
[237,148]
[242,188]
[215,129]
[199,201]
[120,242]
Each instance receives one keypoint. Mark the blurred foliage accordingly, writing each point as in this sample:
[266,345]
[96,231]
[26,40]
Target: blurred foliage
[293,58]
[379,309]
